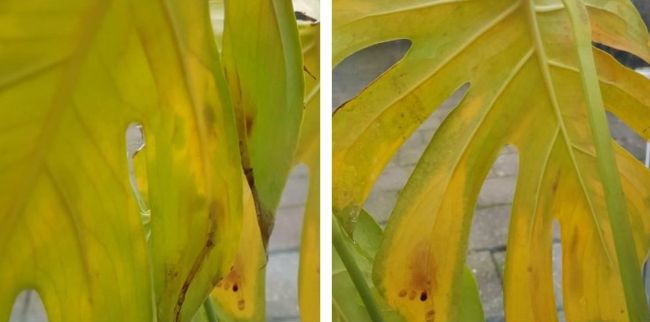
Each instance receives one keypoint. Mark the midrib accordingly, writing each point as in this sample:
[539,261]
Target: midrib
[550,89]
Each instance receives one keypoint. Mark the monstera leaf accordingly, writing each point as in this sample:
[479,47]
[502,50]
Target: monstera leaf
[352,271]
[263,65]
[74,75]
[308,153]
[240,295]
[535,82]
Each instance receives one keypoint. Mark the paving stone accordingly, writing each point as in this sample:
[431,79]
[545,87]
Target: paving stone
[626,137]
[411,150]
[392,178]
[495,319]
[505,165]
[282,285]
[295,191]
[497,191]
[28,307]
[499,258]
[557,274]
[381,204]
[357,71]
[292,319]
[287,230]
[485,271]
[490,228]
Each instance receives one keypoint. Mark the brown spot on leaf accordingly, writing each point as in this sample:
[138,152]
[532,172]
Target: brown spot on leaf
[430,316]
[241,304]
[412,295]
[198,261]
[423,296]
[306,70]
[402,293]
[249,124]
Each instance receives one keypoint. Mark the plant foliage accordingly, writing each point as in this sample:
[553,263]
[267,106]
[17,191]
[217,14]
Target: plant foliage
[220,140]
[535,82]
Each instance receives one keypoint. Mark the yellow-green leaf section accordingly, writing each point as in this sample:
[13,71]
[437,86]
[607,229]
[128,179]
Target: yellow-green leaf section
[359,252]
[74,76]
[240,295]
[308,153]
[526,89]
[263,65]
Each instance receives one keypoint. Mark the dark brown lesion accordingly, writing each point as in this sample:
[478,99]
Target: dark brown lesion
[264,217]
[198,262]
[209,119]
[306,70]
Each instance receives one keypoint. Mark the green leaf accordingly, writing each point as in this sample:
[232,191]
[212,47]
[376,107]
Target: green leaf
[532,85]
[264,71]
[354,296]
[74,76]
[308,153]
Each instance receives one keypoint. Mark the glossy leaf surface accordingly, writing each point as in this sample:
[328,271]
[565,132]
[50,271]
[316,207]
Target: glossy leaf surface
[526,88]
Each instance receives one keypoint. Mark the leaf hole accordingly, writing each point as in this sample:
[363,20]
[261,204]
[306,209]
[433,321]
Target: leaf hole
[423,296]
[556,260]
[626,137]
[289,217]
[28,306]
[135,142]
[489,231]
[628,59]
[360,69]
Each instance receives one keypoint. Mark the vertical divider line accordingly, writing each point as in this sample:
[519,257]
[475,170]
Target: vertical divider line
[326,161]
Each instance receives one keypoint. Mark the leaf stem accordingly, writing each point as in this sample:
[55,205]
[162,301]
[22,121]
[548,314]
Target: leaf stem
[210,309]
[356,275]
[628,263]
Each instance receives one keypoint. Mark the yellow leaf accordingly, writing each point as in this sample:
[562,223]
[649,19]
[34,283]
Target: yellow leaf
[525,89]
[74,75]
[240,295]
[308,152]
[263,66]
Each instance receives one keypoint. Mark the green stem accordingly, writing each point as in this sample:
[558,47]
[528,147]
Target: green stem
[344,251]
[210,310]
[623,241]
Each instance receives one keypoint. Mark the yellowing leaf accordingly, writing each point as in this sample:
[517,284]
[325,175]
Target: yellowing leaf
[352,259]
[73,76]
[308,152]
[530,85]
[263,65]
[240,295]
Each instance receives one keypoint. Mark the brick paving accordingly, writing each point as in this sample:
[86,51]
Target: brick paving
[488,237]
